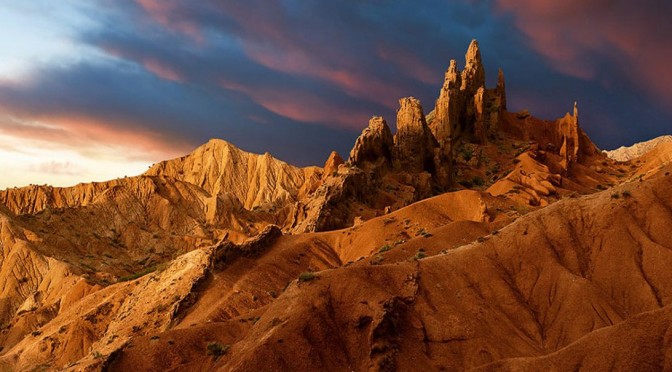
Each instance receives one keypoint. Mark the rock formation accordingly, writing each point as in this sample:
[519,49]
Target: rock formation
[466,108]
[473,75]
[624,153]
[448,109]
[374,145]
[414,143]
[332,164]
[501,89]
[569,130]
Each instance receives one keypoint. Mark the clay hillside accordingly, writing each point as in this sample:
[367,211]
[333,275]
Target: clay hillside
[472,238]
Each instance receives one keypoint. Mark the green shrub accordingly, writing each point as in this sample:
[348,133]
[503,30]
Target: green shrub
[307,276]
[384,248]
[216,349]
[467,153]
[421,254]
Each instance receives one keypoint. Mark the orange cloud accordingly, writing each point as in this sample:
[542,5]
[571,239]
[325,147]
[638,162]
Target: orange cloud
[300,106]
[161,69]
[162,11]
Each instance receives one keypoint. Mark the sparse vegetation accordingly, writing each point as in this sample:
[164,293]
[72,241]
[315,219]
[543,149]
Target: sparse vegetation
[384,248]
[615,196]
[467,153]
[626,194]
[217,349]
[478,181]
[377,260]
[142,273]
[307,276]
[420,255]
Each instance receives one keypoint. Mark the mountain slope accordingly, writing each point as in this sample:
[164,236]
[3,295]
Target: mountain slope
[221,168]
[533,288]
[624,153]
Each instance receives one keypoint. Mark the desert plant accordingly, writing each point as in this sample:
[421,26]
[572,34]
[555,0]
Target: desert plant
[421,254]
[377,260]
[626,194]
[307,276]
[384,248]
[467,153]
[216,349]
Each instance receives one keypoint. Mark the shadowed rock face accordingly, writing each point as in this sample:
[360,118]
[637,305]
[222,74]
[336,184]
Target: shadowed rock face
[414,143]
[545,255]
[374,145]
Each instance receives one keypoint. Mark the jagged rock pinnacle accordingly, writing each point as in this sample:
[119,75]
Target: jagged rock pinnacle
[374,143]
[414,143]
[501,89]
[473,76]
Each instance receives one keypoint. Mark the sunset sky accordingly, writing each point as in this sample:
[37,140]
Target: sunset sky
[93,90]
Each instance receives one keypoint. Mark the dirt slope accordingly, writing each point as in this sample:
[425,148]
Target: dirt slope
[532,289]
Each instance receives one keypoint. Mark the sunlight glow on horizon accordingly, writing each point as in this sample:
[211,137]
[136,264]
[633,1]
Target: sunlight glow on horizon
[26,162]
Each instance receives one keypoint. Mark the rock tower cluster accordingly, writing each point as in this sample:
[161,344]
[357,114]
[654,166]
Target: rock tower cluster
[465,109]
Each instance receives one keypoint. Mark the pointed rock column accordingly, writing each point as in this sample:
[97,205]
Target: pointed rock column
[569,129]
[414,143]
[501,90]
[480,116]
[447,109]
[473,79]
[473,76]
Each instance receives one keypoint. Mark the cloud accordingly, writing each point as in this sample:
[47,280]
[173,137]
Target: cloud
[299,79]
[60,168]
[580,37]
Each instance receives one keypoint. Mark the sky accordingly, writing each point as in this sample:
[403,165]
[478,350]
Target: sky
[97,89]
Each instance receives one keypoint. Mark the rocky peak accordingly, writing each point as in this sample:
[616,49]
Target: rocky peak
[501,89]
[473,76]
[447,109]
[374,144]
[332,163]
[569,130]
[414,143]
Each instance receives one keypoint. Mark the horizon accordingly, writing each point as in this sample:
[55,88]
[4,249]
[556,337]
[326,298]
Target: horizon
[97,92]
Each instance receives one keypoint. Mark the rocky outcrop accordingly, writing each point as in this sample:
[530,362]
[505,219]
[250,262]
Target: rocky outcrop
[569,130]
[414,143]
[332,164]
[466,109]
[448,109]
[473,75]
[374,145]
[638,149]
[221,168]
[501,89]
